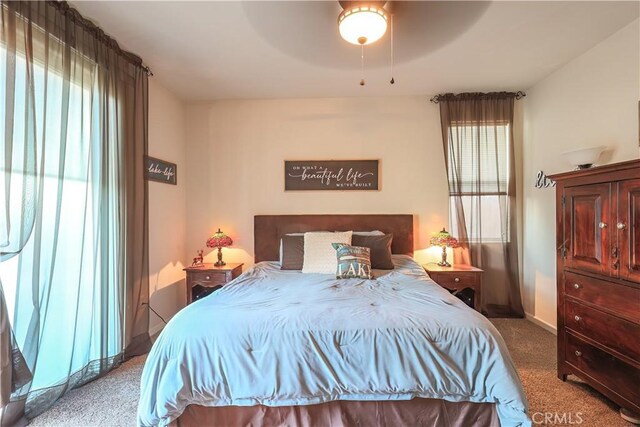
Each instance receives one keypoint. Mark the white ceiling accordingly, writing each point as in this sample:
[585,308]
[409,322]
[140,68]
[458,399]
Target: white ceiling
[263,49]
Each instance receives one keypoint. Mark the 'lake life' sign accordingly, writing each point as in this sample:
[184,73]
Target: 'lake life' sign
[330,175]
[161,171]
[542,181]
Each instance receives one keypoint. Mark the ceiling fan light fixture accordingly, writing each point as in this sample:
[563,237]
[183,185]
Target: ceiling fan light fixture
[363,24]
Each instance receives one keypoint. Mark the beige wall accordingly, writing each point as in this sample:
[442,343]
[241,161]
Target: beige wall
[236,151]
[167,206]
[230,156]
[592,100]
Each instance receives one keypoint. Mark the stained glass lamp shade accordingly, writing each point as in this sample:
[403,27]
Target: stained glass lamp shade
[219,240]
[444,240]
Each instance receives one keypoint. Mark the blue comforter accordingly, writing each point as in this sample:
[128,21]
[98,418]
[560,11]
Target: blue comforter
[281,338]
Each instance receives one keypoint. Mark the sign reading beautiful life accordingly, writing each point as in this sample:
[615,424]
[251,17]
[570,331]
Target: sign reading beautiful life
[330,175]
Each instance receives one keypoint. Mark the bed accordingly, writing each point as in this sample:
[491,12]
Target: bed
[286,348]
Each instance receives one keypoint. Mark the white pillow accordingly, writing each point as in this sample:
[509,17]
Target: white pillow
[319,255]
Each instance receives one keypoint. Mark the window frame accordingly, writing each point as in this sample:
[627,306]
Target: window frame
[504,237]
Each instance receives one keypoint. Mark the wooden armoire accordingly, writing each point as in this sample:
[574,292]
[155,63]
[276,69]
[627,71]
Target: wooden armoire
[598,274]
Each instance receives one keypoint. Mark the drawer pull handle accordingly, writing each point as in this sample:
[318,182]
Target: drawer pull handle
[621,226]
[578,318]
[602,225]
[578,353]
[208,277]
[576,286]
[457,279]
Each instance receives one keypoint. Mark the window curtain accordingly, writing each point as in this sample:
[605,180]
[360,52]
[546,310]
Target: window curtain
[73,205]
[477,130]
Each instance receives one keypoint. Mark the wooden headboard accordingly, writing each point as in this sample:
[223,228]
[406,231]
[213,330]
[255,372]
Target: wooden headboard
[269,229]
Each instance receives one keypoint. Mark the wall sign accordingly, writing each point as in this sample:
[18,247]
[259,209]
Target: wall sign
[542,181]
[161,171]
[330,175]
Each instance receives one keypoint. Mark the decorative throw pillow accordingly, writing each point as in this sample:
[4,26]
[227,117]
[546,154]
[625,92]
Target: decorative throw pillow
[368,233]
[319,255]
[292,254]
[353,262]
[280,251]
[295,250]
[380,247]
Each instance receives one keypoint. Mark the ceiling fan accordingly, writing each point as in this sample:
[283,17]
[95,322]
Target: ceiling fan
[365,22]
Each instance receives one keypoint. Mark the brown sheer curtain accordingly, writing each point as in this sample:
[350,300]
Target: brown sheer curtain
[73,205]
[477,132]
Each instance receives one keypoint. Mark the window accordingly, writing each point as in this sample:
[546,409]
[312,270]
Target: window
[479,177]
[63,257]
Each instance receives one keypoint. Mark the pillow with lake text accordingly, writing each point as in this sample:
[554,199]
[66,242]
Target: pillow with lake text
[354,262]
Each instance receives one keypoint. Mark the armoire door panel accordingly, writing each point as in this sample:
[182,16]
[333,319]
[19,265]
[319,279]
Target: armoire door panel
[628,228]
[588,225]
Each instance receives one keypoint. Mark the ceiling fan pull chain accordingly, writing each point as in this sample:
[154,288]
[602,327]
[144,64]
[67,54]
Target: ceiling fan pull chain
[362,65]
[391,22]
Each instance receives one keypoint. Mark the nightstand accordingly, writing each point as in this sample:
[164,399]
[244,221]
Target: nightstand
[458,277]
[203,280]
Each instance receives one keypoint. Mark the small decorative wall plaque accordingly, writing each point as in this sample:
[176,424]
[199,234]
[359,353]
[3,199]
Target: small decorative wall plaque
[161,171]
[542,181]
[330,175]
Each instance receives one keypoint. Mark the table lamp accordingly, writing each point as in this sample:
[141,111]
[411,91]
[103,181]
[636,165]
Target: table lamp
[444,240]
[219,240]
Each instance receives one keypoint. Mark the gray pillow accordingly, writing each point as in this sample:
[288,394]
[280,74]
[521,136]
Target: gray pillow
[280,249]
[380,249]
[292,252]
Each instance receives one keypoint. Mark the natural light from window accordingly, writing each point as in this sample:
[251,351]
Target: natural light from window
[483,176]
[65,261]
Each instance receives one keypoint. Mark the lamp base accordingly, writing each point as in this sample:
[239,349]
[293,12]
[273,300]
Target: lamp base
[220,262]
[444,262]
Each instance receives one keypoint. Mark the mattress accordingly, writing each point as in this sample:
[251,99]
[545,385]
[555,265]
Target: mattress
[283,338]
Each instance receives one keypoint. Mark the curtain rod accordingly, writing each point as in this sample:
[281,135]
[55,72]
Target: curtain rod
[76,17]
[477,95]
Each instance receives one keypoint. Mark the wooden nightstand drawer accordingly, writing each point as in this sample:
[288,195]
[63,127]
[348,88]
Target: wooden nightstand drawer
[209,278]
[456,280]
[203,280]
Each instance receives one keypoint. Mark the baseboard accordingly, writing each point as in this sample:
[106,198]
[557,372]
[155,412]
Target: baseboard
[544,325]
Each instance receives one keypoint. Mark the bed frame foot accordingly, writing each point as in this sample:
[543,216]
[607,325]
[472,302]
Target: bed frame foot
[630,416]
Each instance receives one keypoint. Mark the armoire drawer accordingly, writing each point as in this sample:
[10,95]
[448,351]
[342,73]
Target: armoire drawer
[622,300]
[619,377]
[610,331]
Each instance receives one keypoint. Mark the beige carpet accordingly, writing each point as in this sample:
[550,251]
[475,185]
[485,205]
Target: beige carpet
[112,400]
[533,350]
